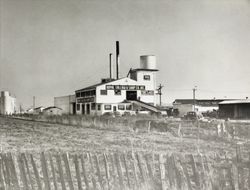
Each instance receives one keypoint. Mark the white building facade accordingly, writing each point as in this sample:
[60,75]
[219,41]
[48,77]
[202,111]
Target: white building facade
[128,94]
[7,103]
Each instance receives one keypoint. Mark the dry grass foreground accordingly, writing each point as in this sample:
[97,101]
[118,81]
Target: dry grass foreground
[29,136]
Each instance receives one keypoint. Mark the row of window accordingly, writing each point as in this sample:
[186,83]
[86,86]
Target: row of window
[106,107]
[85,93]
[120,107]
[105,92]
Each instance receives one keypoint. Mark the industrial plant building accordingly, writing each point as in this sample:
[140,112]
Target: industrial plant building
[235,109]
[200,105]
[66,103]
[7,103]
[132,94]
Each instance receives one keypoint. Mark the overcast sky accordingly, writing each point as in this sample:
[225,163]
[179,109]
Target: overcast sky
[53,47]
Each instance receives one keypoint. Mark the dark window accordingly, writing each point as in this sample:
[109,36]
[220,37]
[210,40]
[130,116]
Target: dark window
[128,107]
[107,107]
[121,107]
[78,94]
[146,77]
[117,92]
[77,107]
[99,107]
[104,92]
[93,106]
[82,94]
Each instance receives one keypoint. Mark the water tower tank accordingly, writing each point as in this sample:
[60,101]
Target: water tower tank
[147,62]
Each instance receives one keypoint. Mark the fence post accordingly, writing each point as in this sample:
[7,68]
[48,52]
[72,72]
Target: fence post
[139,160]
[67,169]
[45,171]
[92,171]
[135,170]
[249,170]
[28,171]
[106,169]
[78,176]
[39,185]
[185,170]
[162,172]
[60,170]
[84,173]
[195,172]
[6,172]
[98,171]
[126,169]
[22,172]
[2,184]
[53,171]
[13,171]
[119,170]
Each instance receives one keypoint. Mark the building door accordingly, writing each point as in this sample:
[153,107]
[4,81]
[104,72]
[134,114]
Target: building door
[83,109]
[74,108]
[88,108]
[131,95]
[114,108]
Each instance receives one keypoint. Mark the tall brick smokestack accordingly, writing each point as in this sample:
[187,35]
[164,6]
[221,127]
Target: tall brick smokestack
[117,59]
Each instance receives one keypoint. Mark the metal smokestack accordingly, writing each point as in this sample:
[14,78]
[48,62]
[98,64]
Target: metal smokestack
[110,66]
[117,59]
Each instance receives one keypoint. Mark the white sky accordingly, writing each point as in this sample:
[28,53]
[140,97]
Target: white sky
[54,47]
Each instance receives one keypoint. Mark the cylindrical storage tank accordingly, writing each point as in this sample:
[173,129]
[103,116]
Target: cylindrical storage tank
[147,62]
[5,93]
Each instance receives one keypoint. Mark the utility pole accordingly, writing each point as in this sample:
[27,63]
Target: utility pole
[34,102]
[194,89]
[159,92]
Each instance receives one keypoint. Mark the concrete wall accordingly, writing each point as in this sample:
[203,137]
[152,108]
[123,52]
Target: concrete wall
[7,103]
[65,103]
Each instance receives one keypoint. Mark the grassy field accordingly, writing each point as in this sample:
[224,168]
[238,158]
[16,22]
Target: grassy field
[30,136]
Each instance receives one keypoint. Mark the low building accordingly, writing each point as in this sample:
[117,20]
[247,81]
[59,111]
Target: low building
[66,103]
[52,110]
[200,105]
[7,103]
[235,109]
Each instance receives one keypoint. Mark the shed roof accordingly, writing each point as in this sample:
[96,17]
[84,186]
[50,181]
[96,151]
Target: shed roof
[243,101]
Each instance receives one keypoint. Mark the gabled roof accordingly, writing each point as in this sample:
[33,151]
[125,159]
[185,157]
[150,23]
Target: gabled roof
[141,69]
[52,107]
[99,84]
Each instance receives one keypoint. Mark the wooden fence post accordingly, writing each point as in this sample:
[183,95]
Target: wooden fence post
[135,170]
[249,170]
[92,171]
[60,170]
[98,171]
[139,160]
[6,172]
[28,171]
[78,175]
[2,184]
[53,171]
[39,185]
[119,170]
[106,169]
[68,172]
[22,173]
[13,171]
[195,172]
[185,170]
[45,171]
[162,172]
[84,173]
[126,169]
